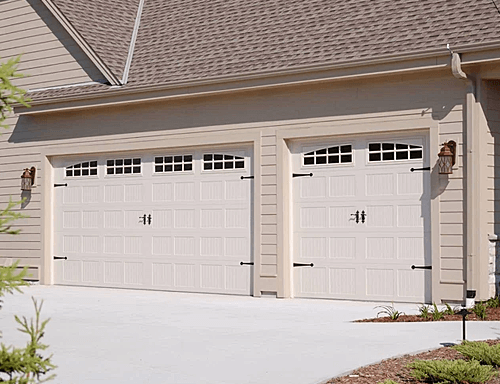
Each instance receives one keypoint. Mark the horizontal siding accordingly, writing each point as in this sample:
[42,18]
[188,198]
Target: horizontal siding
[53,58]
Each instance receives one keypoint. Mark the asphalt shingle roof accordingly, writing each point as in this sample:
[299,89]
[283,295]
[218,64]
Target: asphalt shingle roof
[181,40]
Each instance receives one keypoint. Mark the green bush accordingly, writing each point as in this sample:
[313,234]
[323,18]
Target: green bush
[451,371]
[493,302]
[480,351]
[389,311]
[389,381]
[424,311]
[436,313]
[480,310]
[448,310]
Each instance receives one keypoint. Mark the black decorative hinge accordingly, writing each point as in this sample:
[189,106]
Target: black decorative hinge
[420,169]
[422,267]
[61,185]
[303,265]
[242,263]
[302,174]
[60,258]
[246,177]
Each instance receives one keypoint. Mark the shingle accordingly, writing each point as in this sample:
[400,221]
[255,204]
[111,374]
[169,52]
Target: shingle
[106,25]
[193,40]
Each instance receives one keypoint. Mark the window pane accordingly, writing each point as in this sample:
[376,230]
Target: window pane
[128,169]
[86,164]
[308,160]
[177,167]
[77,166]
[401,155]
[374,147]
[207,166]
[137,161]
[177,159]
[159,168]
[168,159]
[119,162]
[321,160]
[188,158]
[85,172]
[374,156]
[158,160]
[76,172]
[388,156]
[128,161]
[228,157]
[321,152]
[333,150]
[415,154]
[228,165]
[93,163]
[346,158]
[119,171]
[401,146]
[240,164]
[333,159]
[207,157]
[218,165]
[110,171]
[69,173]
[345,149]
[168,168]
[110,163]
[93,172]
[188,167]
[388,146]
[137,169]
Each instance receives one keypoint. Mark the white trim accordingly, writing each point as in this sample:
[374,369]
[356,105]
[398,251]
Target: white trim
[132,43]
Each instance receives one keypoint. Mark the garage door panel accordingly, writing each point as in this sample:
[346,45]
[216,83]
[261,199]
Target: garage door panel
[362,222]
[181,227]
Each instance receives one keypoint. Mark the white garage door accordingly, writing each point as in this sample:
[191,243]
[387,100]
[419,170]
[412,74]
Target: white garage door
[177,221]
[362,219]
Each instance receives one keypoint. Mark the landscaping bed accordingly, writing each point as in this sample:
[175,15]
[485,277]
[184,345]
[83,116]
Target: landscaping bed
[397,369]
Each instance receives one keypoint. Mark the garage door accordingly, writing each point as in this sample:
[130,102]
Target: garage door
[177,221]
[362,219]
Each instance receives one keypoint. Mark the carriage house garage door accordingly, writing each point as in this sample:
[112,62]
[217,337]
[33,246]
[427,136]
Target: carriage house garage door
[361,219]
[178,221]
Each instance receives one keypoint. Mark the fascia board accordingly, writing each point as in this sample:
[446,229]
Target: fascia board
[80,41]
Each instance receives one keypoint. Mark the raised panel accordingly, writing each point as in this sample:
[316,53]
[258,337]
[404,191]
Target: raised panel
[342,281]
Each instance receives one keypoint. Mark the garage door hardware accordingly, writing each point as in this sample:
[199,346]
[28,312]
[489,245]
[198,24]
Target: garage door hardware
[420,169]
[145,219]
[60,185]
[363,216]
[246,177]
[303,265]
[242,263]
[422,267]
[357,215]
[302,174]
[60,258]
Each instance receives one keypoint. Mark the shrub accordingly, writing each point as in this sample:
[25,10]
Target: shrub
[480,351]
[436,313]
[389,381]
[390,311]
[448,310]
[480,310]
[493,302]
[451,371]
[424,311]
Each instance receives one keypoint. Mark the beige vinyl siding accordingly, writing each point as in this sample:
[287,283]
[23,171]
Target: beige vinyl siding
[49,58]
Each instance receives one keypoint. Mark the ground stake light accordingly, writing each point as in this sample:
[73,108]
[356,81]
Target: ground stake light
[447,158]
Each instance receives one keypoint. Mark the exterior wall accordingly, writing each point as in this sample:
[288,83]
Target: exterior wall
[491,110]
[265,119]
[49,58]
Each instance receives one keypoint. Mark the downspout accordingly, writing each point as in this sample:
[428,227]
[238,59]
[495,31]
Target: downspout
[471,150]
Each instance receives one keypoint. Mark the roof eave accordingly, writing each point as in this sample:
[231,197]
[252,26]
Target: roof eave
[80,41]
[369,67]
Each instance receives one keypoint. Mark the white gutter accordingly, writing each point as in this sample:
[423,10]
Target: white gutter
[471,149]
[135,32]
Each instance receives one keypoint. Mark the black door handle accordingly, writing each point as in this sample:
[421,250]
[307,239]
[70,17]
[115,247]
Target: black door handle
[356,216]
[60,258]
[420,169]
[243,263]
[246,177]
[422,267]
[303,265]
[302,174]
[363,216]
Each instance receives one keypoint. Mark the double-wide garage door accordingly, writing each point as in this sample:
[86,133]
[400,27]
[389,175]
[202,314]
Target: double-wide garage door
[362,219]
[177,221]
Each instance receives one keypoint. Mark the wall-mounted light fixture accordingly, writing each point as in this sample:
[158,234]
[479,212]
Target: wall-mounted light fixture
[447,158]
[28,179]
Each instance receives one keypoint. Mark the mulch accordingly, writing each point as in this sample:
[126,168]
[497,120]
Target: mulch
[396,368]
[492,314]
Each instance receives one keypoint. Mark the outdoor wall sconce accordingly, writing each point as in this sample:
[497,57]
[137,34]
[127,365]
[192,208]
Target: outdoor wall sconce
[28,179]
[447,158]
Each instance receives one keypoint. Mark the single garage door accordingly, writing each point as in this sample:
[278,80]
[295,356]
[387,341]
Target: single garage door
[362,219]
[171,220]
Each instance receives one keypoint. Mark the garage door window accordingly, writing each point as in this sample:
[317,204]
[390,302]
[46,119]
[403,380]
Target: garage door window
[177,163]
[123,166]
[394,151]
[215,161]
[337,154]
[87,168]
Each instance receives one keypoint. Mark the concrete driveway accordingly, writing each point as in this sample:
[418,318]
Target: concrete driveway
[120,336]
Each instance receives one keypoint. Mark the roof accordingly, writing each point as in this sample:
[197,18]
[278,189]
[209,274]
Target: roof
[180,41]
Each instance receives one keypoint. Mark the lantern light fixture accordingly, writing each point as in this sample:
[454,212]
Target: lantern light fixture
[28,179]
[447,157]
